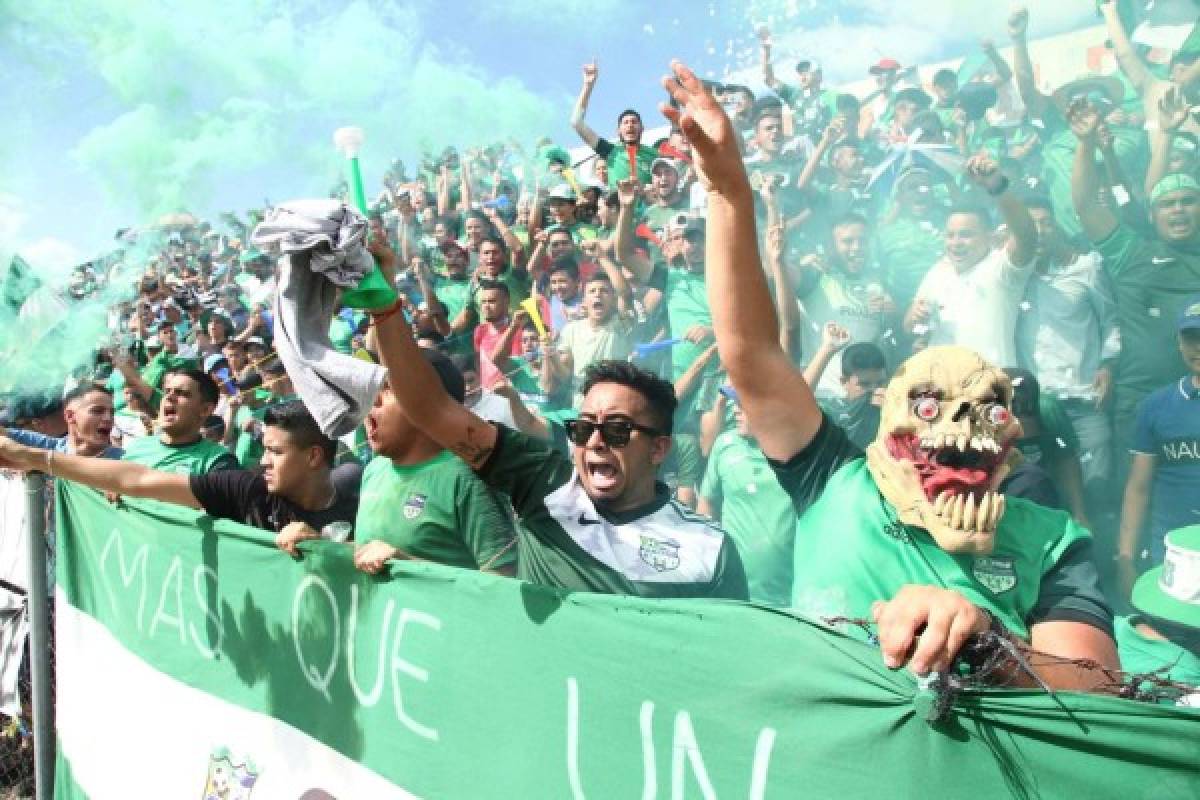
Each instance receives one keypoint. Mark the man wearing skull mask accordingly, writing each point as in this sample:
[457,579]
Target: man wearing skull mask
[931,549]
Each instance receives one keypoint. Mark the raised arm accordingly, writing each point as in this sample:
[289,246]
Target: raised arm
[120,477]
[1023,236]
[1097,220]
[1127,58]
[832,133]
[419,391]
[443,191]
[1004,73]
[1172,113]
[764,37]
[785,296]
[1034,100]
[133,379]
[501,352]
[464,185]
[638,264]
[591,71]
[834,338]
[779,405]
[515,248]
[434,307]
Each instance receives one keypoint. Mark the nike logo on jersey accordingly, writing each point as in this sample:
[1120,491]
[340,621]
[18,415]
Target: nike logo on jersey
[583,520]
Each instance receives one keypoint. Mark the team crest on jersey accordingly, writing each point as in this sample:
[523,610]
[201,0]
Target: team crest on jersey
[414,505]
[229,778]
[660,554]
[996,574]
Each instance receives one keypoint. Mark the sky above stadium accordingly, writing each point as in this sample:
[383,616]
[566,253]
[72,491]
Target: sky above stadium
[120,110]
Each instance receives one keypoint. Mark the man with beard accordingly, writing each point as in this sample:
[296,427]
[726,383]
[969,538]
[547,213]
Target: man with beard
[1153,275]
[419,501]
[189,397]
[628,156]
[929,548]
[600,520]
[972,296]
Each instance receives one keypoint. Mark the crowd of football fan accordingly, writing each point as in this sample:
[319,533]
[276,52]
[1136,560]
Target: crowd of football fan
[1055,235]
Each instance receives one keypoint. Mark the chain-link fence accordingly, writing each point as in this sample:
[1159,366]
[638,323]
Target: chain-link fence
[17,765]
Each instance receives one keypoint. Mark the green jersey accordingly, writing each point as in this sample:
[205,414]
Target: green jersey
[524,378]
[453,294]
[617,156]
[248,448]
[686,299]
[660,550]
[757,514]
[1142,654]
[1151,282]
[198,458]
[436,511]
[907,248]
[852,549]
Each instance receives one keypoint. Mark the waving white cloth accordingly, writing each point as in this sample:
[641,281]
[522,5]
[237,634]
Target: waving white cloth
[323,245]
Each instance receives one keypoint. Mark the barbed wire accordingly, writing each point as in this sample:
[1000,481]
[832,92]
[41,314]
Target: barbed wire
[991,660]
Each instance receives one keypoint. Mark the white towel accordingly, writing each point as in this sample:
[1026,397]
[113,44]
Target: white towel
[323,249]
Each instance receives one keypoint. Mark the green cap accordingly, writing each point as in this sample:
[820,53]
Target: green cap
[1175,182]
[250,254]
[1172,591]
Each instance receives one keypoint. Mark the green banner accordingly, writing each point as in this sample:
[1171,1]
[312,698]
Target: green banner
[194,655]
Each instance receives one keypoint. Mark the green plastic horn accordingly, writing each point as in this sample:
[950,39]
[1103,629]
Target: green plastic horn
[373,290]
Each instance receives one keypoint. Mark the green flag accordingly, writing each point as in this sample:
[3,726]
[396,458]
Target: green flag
[19,281]
[194,656]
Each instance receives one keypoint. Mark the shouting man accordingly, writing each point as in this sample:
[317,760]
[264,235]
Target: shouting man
[928,547]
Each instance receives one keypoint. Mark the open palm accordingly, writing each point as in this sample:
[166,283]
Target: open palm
[715,152]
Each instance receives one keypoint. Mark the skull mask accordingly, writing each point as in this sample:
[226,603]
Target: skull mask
[944,445]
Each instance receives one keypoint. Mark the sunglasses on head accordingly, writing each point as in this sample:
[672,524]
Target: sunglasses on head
[613,432]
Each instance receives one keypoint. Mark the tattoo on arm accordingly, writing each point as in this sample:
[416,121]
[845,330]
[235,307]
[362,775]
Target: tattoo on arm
[474,449]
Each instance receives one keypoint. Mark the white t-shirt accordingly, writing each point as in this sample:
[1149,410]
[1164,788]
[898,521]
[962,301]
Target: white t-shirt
[977,308]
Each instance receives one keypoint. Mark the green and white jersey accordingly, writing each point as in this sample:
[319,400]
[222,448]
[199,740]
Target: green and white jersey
[1142,654]
[661,550]
[437,510]
[197,458]
[757,514]
[851,549]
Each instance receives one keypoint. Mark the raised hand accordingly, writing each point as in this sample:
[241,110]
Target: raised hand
[835,130]
[715,152]
[984,171]
[834,337]
[1172,110]
[591,71]
[627,191]
[1018,23]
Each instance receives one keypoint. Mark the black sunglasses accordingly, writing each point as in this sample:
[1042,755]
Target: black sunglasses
[613,432]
